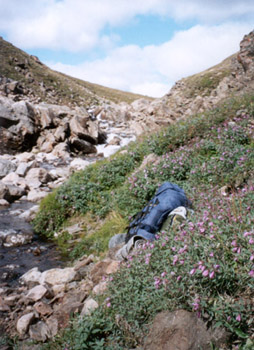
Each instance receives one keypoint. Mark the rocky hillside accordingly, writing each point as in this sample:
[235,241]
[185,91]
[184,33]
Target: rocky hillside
[39,83]
[197,277]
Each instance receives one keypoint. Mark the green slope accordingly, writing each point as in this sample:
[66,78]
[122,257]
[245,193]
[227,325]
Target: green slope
[57,87]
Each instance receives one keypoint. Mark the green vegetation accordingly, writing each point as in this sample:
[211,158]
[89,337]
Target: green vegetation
[203,83]
[206,265]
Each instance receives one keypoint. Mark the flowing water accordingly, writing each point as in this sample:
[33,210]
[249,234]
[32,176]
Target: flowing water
[15,261]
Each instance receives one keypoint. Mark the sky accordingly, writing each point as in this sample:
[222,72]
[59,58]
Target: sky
[141,46]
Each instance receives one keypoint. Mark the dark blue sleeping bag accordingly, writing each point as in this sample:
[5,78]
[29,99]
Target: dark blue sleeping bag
[149,221]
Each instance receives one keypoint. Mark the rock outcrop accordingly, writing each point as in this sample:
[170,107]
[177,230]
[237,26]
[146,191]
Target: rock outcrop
[182,330]
[44,301]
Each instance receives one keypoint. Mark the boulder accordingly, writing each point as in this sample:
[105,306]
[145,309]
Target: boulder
[102,269]
[45,116]
[6,167]
[36,177]
[36,293]
[24,322]
[89,306]
[62,150]
[100,288]
[83,146]
[43,308]
[39,331]
[61,132]
[23,168]
[31,277]
[85,129]
[4,203]
[182,330]
[78,164]
[36,195]
[58,276]
[14,238]
[10,193]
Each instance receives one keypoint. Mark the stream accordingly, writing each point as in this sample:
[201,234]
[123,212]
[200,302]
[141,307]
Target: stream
[26,251]
[16,260]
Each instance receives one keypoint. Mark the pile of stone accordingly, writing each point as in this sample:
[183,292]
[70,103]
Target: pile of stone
[44,301]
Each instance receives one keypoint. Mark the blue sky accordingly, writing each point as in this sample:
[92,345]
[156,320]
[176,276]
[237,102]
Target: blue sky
[142,46]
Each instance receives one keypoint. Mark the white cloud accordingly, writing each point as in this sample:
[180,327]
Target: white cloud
[152,70]
[76,25]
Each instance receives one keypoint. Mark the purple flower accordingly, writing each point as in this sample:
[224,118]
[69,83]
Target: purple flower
[175,259]
[251,273]
[205,273]
[211,275]
[233,243]
[251,241]
[238,318]
[108,304]
[192,271]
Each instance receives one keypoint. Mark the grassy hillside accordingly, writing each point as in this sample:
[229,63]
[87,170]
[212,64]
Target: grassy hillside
[203,83]
[205,265]
[52,86]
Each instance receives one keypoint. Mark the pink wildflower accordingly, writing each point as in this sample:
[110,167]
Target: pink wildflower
[251,241]
[233,243]
[211,275]
[251,273]
[175,259]
[192,271]
[205,273]
[238,318]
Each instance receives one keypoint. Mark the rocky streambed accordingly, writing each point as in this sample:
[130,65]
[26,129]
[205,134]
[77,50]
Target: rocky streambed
[25,178]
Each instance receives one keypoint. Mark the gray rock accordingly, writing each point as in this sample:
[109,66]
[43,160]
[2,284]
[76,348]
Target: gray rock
[36,195]
[31,277]
[89,306]
[182,330]
[116,240]
[6,167]
[24,322]
[82,146]
[39,331]
[10,193]
[22,168]
[58,276]
[36,293]
[13,238]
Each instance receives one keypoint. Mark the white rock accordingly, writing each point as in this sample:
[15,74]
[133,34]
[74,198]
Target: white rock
[17,239]
[58,288]
[32,275]
[36,293]
[100,288]
[89,306]
[11,178]
[29,214]
[78,164]
[36,195]
[23,168]
[58,276]
[25,157]
[4,203]
[57,173]
[24,322]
